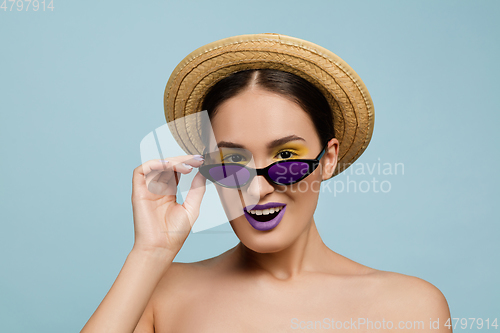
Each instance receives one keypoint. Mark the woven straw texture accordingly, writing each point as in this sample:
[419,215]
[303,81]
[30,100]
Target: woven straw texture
[349,99]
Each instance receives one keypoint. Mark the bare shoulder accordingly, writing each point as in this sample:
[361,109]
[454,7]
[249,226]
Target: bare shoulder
[183,280]
[409,295]
[182,285]
[395,293]
[185,274]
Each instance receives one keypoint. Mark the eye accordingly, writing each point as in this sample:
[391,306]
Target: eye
[285,154]
[234,158]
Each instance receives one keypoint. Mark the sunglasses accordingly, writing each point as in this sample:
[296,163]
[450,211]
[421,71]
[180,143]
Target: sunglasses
[236,175]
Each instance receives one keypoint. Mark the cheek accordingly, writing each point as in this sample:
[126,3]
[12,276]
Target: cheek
[234,201]
[308,188]
[304,195]
[230,202]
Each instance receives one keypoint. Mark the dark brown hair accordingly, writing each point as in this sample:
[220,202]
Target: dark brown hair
[289,85]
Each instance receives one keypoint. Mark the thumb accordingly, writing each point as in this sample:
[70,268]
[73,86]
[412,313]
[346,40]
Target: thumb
[193,198]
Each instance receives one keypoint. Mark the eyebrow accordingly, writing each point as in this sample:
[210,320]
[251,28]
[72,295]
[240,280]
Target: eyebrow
[270,145]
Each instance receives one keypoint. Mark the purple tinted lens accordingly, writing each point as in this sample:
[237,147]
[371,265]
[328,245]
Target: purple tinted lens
[230,175]
[288,172]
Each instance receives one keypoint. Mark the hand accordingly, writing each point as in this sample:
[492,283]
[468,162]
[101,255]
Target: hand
[160,223]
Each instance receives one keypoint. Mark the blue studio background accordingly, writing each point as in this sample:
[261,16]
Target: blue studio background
[80,86]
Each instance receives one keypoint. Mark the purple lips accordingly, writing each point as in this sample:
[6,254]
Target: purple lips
[267,225]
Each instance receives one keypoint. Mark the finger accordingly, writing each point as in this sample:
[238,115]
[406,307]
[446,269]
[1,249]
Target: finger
[188,163]
[163,171]
[152,165]
[195,195]
[194,160]
[146,179]
[182,167]
[181,164]
[163,189]
[161,177]
[165,176]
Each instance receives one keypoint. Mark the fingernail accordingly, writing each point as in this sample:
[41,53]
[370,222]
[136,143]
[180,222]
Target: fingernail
[198,158]
[187,166]
[164,161]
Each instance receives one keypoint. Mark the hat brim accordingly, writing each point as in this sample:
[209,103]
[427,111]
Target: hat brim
[351,104]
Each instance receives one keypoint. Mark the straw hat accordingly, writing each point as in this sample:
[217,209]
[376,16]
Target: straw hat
[351,104]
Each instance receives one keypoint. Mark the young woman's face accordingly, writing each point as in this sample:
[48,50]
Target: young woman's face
[269,128]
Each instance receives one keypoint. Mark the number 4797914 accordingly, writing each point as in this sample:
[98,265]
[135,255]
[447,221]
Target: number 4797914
[26,5]
[470,323]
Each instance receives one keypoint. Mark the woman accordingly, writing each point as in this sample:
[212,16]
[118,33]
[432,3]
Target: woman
[286,114]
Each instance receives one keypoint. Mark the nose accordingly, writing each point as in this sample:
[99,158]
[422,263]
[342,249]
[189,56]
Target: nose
[258,188]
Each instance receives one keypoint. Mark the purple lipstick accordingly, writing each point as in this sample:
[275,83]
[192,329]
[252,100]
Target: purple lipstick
[265,217]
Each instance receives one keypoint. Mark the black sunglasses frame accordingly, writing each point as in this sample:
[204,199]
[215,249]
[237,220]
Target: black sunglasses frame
[312,163]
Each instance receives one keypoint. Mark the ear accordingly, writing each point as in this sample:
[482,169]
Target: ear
[330,159]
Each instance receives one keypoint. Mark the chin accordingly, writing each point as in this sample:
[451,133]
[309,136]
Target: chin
[275,240]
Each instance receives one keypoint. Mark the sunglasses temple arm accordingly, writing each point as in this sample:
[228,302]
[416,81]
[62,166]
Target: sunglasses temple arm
[320,156]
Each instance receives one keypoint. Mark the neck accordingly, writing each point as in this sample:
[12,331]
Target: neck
[307,253]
